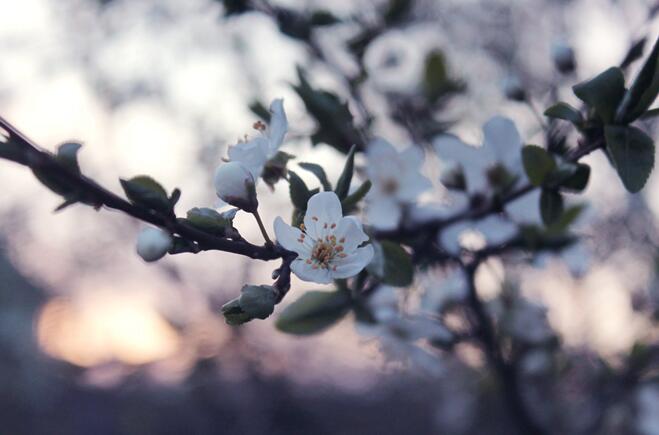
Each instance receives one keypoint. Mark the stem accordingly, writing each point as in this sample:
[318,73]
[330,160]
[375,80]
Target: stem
[504,371]
[257,216]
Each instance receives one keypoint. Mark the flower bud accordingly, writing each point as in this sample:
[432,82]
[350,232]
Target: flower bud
[235,185]
[563,56]
[153,243]
[512,88]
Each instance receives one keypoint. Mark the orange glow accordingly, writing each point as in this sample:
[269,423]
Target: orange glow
[105,327]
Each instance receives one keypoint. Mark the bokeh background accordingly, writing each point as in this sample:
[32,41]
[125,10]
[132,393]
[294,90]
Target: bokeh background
[93,340]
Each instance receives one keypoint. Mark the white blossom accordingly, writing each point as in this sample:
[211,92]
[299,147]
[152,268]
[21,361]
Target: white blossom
[234,184]
[153,243]
[255,153]
[397,182]
[328,244]
[501,146]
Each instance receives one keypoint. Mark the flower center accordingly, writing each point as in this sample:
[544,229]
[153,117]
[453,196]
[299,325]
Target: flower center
[325,251]
[390,186]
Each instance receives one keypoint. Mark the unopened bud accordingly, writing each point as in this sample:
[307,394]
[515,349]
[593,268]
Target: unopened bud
[235,185]
[153,243]
[512,88]
[563,56]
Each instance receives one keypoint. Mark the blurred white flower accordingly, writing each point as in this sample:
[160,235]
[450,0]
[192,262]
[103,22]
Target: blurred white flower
[234,184]
[501,149]
[153,243]
[397,182]
[328,243]
[394,62]
[255,153]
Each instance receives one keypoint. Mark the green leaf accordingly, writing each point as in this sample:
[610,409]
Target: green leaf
[551,206]
[209,220]
[643,91]
[564,111]
[333,118]
[258,302]
[343,184]
[603,93]
[276,168]
[259,109]
[314,312]
[435,77]
[632,154]
[635,52]
[350,202]
[67,155]
[392,264]
[299,191]
[319,172]
[323,18]
[652,113]
[578,181]
[567,218]
[397,10]
[538,163]
[146,191]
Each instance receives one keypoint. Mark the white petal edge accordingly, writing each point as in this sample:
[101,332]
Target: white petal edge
[351,229]
[307,273]
[278,125]
[354,263]
[289,237]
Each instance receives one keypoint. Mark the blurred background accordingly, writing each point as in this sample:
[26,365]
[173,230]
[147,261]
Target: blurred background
[94,340]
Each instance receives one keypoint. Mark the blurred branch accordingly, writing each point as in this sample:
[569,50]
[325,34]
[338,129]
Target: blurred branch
[505,372]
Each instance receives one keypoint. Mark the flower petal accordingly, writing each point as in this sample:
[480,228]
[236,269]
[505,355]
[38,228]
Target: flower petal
[289,237]
[501,139]
[353,263]
[306,272]
[383,212]
[278,125]
[322,208]
[350,229]
[252,154]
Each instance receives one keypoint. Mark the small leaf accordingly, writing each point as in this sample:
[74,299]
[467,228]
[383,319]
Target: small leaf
[652,113]
[146,191]
[260,110]
[568,217]
[314,312]
[276,168]
[634,53]
[578,181]
[323,18]
[350,202]
[343,184]
[632,154]
[319,172]
[67,155]
[209,220]
[564,111]
[538,163]
[551,206]
[643,91]
[603,93]
[454,178]
[299,191]
[397,10]
[392,264]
